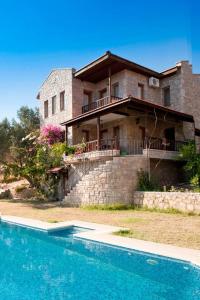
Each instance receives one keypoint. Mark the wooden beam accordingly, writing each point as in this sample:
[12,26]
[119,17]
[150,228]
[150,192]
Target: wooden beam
[109,84]
[121,113]
[66,134]
[98,134]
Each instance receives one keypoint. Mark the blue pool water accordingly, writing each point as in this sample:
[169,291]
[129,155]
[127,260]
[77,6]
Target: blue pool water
[35,265]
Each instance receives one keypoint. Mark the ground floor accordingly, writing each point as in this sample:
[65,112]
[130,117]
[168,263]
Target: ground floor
[176,229]
[114,179]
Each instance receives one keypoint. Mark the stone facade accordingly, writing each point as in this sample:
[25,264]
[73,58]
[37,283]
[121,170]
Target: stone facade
[57,82]
[184,93]
[186,202]
[109,181]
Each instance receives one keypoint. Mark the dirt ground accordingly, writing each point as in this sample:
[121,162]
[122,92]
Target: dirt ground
[175,229]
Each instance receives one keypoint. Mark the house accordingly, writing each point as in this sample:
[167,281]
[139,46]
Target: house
[130,118]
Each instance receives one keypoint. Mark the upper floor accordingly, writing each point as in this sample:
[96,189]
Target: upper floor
[67,93]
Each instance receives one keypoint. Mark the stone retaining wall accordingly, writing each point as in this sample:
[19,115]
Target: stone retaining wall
[187,202]
[112,181]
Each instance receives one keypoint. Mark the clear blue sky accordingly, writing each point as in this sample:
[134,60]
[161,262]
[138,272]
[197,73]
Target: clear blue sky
[36,36]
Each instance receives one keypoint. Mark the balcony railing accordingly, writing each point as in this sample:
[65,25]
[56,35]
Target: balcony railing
[133,146]
[105,144]
[99,103]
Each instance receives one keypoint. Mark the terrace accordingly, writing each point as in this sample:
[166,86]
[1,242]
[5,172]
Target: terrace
[128,126]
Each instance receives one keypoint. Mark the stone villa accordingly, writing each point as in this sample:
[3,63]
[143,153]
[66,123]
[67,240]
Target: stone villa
[130,118]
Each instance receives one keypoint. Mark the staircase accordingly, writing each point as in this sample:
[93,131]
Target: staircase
[112,181]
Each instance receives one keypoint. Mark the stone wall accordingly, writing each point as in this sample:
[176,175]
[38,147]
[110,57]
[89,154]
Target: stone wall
[78,170]
[57,82]
[186,202]
[112,181]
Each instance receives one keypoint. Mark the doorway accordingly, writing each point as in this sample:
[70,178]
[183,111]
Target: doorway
[116,136]
[169,135]
[104,139]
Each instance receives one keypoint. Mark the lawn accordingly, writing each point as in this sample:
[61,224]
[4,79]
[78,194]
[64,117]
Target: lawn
[170,228]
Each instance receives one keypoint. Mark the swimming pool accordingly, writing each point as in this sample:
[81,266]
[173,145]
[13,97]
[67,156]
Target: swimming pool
[39,265]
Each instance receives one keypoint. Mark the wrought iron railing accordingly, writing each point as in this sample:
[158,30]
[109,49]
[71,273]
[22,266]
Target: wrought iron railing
[133,146]
[128,146]
[99,103]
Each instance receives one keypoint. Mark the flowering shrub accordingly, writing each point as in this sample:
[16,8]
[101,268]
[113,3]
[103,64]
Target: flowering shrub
[51,134]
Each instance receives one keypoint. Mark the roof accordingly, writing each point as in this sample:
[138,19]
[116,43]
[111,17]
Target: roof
[98,69]
[170,71]
[133,103]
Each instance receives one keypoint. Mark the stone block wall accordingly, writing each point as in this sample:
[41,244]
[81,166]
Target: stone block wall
[186,202]
[57,82]
[112,181]
[78,170]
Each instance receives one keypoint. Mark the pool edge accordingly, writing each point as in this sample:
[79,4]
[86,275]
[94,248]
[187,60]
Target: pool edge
[104,234]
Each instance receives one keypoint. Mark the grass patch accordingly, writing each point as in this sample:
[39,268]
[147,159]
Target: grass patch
[52,221]
[131,234]
[133,220]
[124,232]
[160,210]
[123,207]
[109,207]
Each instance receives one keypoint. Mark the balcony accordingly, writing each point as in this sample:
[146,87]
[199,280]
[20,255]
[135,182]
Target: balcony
[99,103]
[133,146]
[152,147]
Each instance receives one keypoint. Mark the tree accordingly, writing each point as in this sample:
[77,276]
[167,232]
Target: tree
[11,133]
[5,138]
[29,119]
[192,157]
[33,159]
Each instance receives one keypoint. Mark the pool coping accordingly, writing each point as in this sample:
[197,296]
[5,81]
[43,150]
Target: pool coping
[104,234]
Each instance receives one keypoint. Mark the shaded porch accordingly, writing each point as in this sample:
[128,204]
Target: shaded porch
[131,126]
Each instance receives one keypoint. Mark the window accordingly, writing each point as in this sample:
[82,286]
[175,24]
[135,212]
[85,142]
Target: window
[115,89]
[53,105]
[103,93]
[86,135]
[87,97]
[166,96]
[62,101]
[140,91]
[46,109]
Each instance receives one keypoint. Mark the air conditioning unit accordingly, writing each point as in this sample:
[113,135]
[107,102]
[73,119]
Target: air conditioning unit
[154,82]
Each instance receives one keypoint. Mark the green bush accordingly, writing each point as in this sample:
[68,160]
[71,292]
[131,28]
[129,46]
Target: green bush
[70,150]
[111,207]
[146,184]
[191,156]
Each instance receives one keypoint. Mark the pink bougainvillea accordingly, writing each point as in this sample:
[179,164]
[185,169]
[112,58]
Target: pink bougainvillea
[51,134]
